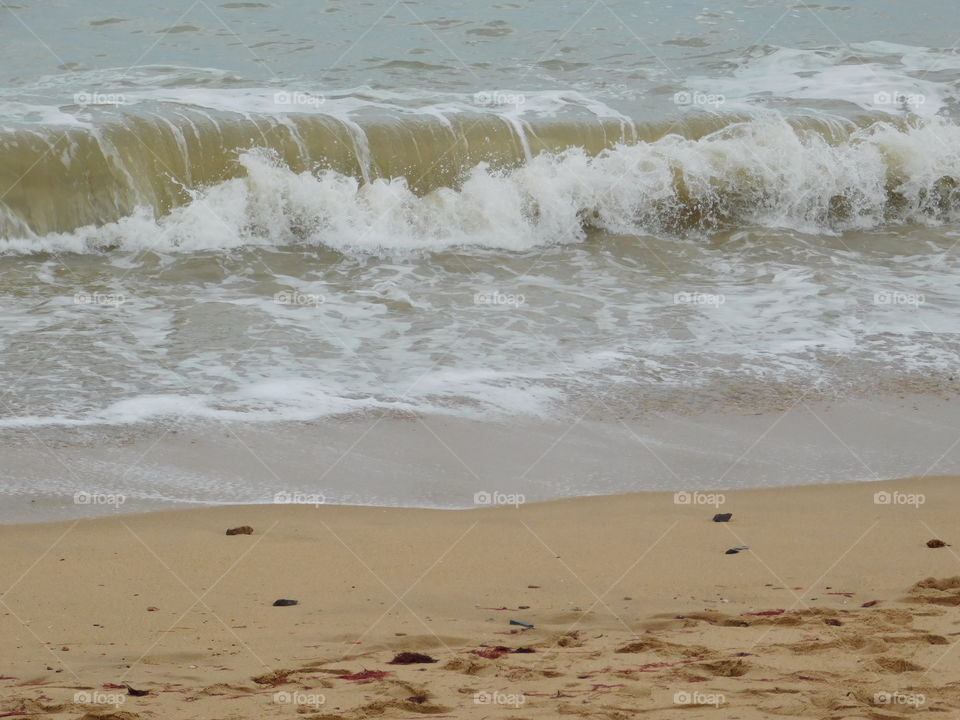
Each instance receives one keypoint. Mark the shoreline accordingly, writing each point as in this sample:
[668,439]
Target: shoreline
[699,498]
[443,462]
[636,607]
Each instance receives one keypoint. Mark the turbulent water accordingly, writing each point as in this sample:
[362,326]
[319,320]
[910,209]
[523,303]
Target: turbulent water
[297,210]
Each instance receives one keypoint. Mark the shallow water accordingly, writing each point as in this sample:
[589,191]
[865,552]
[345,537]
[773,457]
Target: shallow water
[292,211]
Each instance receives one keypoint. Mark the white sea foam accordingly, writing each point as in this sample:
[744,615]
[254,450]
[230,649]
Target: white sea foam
[875,76]
[761,172]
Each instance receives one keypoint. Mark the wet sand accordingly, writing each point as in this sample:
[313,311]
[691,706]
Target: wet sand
[442,462]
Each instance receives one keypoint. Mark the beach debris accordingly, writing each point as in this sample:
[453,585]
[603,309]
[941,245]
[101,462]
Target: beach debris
[871,603]
[283,602]
[936,543]
[523,650]
[491,653]
[600,686]
[735,550]
[277,677]
[722,517]
[242,530]
[766,612]
[152,608]
[136,693]
[410,658]
[521,623]
[533,587]
[365,676]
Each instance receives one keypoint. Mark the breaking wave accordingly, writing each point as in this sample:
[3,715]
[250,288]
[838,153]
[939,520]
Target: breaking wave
[419,189]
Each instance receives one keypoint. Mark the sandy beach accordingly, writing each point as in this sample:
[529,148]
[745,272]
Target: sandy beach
[636,609]
[487,361]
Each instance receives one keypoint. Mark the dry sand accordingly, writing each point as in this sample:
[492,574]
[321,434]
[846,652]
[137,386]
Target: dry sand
[637,610]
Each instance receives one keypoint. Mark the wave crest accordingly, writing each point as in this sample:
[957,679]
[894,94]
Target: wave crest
[760,173]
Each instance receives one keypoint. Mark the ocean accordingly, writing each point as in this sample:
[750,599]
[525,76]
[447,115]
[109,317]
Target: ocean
[292,214]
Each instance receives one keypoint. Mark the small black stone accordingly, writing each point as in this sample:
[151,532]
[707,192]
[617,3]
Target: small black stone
[284,603]
[722,517]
